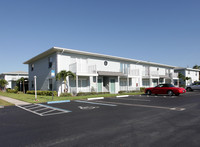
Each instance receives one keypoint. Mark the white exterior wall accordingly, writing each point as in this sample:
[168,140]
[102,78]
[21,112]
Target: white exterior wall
[194,75]
[13,78]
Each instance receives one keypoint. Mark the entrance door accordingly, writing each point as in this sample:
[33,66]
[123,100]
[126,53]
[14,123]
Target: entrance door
[99,85]
[112,85]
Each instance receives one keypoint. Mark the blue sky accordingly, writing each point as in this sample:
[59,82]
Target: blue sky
[162,31]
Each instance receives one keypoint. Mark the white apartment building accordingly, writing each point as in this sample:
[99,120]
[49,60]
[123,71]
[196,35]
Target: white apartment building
[193,74]
[12,77]
[95,72]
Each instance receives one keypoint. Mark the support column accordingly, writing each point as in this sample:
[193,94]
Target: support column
[127,83]
[96,83]
[76,84]
[150,82]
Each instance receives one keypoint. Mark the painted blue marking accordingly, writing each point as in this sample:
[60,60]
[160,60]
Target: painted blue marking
[55,108]
[54,102]
[95,103]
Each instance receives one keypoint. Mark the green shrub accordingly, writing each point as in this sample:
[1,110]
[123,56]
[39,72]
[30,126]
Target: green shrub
[11,90]
[142,89]
[65,95]
[91,93]
[45,93]
[132,91]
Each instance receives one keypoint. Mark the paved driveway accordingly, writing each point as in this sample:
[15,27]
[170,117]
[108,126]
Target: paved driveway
[127,121]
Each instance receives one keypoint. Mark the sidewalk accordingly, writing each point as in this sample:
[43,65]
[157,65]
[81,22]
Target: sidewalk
[13,101]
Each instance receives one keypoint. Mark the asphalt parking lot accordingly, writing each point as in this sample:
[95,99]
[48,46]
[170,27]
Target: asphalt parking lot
[124,121]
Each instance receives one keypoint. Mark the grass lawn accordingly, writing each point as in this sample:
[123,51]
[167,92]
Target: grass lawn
[4,103]
[42,99]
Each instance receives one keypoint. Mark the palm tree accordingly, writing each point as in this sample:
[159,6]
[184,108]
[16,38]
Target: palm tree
[63,75]
[21,80]
[3,83]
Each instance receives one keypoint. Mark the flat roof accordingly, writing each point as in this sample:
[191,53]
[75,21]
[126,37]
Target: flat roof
[183,68]
[66,50]
[15,73]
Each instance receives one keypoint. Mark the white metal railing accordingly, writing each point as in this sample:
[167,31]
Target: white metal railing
[73,67]
[150,73]
[175,75]
[134,72]
[78,68]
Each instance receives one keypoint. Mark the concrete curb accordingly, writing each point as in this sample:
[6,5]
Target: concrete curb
[1,106]
[122,96]
[95,98]
[55,102]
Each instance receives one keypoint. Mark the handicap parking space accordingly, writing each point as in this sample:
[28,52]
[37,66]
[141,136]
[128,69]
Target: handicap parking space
[43,110]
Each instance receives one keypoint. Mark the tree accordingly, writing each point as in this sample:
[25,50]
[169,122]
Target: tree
[62,75]
[196,67]
[3,83]
[19,81]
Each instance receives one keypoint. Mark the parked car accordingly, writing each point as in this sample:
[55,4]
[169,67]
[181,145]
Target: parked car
[168,89]
[193,86]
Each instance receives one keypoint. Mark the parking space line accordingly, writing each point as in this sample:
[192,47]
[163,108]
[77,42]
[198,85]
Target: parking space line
[29,110]
[54,113]
[95,103]
[48,111]
[41,109]
[34,107]
[132,99]
[147,106]
[59,109]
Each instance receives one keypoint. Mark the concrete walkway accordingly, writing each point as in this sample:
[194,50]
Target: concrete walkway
[13,101]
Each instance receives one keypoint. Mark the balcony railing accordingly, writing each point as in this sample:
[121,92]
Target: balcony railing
[150,74]
[86,69]
[134,72]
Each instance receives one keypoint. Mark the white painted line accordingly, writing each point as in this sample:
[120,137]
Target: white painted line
[147,106]
[95,98]
[48,111]
[54,108]
[122,96]
[54,113]
[1,106]
[34,107]
[41,109]
[29,110]
[95,103]
[132,99]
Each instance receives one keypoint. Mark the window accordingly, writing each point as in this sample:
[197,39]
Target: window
[188,72]
[157,69]
[130,82]
[50,61]
[145,82]
[32,67]
[83,83]
[50,84]
[94,80]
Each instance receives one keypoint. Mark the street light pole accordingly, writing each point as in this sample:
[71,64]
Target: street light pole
[35,88]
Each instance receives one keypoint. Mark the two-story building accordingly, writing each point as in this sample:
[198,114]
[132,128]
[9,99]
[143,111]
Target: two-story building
[95,72]
[191,73]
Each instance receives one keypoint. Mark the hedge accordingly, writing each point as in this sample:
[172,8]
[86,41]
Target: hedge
[11,90]
[91,93]
[133,91]
[45,93]
[65,95]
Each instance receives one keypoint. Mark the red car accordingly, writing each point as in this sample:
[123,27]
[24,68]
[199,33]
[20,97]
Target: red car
[168,89]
